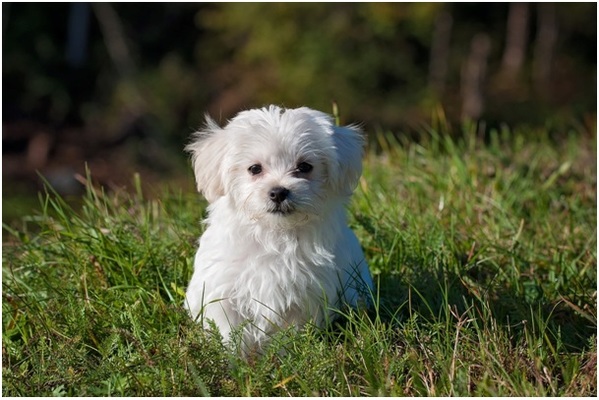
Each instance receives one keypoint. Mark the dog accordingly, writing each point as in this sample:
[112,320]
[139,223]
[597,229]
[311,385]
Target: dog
[277,250]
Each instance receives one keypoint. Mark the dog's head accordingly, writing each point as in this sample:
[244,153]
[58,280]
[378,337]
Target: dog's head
[277,164]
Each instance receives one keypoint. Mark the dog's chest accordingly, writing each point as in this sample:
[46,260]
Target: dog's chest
[279,279]
[275,275]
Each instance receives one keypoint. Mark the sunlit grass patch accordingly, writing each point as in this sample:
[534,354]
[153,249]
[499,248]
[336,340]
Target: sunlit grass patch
[483,252]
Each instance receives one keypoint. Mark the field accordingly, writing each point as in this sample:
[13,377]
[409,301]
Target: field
[483,250]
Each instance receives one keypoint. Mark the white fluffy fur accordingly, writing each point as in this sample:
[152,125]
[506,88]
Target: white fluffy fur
[261,266]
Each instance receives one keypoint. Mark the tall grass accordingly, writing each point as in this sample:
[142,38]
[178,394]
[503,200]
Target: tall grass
[483,251]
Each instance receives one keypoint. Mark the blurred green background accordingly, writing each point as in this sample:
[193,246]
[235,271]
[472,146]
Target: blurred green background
[120,86]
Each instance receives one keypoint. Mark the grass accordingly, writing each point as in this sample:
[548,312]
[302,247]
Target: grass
[484,254]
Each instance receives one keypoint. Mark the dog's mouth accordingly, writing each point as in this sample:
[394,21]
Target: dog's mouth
[282,209]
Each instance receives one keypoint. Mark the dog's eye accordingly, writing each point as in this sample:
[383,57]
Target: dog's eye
[304,167]
[255,169]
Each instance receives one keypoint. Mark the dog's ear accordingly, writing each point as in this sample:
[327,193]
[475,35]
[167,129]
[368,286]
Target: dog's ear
[346,156]
[208,150]
[348,143]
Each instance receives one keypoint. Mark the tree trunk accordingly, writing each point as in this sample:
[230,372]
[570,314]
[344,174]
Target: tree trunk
[516,40]
[544,47]
[473,76]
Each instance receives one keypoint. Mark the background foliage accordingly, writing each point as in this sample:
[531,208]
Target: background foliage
[121,86]
[386,64]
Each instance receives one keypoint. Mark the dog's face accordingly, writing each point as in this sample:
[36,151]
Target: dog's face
[277,166]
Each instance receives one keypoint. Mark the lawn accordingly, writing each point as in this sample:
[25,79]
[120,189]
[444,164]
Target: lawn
[483,250]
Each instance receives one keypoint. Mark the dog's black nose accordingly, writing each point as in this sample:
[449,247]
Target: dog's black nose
[278,194]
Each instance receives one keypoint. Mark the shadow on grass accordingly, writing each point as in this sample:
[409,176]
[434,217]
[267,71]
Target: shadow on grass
[430,295]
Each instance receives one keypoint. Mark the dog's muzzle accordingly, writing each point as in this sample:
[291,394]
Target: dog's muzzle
[279,197]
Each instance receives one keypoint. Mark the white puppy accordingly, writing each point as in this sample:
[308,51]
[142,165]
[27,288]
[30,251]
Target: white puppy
[277,250]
